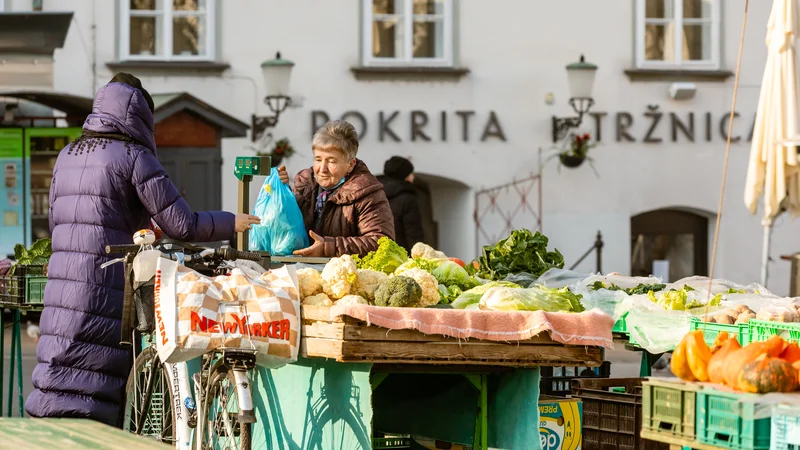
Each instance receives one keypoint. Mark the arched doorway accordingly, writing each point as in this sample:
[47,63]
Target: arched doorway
[677,236]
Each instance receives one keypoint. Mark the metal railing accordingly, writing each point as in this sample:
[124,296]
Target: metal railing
[597,247]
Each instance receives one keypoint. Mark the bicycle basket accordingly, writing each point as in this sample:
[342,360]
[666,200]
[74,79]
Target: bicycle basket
[143,302]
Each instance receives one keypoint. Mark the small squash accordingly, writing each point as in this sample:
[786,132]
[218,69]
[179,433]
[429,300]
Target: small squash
[721,339]
[736,359]
[717,363]
[767,374]
[698,355]
[791,353]
[796,366]
[678,363]
[775,345]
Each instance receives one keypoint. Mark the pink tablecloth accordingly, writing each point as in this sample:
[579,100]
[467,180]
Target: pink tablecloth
[586,328]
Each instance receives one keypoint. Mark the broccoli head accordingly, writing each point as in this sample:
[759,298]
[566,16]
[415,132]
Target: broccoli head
[398,292]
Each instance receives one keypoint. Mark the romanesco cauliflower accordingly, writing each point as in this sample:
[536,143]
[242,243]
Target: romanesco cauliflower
[428,283]
[367,282]
[317,300]
[338,277]
[310,282]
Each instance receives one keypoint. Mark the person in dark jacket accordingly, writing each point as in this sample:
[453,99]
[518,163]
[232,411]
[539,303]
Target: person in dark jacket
[343,204]
[106,185]
[398,179]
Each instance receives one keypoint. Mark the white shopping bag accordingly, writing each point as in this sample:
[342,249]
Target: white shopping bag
[196,314]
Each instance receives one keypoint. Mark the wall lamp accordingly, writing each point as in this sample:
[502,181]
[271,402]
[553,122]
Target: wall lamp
[581,80]
[277,73]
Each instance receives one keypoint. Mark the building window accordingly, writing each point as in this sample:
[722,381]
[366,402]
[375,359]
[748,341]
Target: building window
[678,34]
[408,32]
[171,30]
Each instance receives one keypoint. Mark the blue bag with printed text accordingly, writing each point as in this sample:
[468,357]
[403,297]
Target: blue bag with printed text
[282,230]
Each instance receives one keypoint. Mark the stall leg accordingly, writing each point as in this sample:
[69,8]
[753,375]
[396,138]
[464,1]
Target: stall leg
[2,354]
[484,412]
[12,358]
[646,366]
[20,400]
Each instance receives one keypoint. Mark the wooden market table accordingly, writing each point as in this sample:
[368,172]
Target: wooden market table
[504,376]
[69,434]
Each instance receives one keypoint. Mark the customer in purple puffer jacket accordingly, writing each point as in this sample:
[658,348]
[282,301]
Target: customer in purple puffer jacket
[106,185]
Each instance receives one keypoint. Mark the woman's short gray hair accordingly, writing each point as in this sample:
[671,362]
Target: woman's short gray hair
[336,135]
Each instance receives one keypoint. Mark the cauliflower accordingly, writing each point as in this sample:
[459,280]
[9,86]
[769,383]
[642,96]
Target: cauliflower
[428,284]
[421,250]
[351,300]
[367,281]
[338,277]
[398,292]
[317,300]
[310,282]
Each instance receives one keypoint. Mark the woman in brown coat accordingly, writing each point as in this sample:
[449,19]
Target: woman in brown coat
[344,206]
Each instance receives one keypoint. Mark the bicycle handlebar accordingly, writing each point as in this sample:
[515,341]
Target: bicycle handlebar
[226,253]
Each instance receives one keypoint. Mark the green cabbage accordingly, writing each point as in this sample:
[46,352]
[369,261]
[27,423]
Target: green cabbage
[536,298]
[451,274]
[473,296]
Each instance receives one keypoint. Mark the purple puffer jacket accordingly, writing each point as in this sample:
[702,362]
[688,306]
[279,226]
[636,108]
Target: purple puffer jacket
[102,192]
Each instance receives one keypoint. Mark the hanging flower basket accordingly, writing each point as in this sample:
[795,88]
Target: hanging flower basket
[280,151]
[571,161]
[578,151]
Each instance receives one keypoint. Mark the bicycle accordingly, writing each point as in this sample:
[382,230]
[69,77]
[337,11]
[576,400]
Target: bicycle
[160,403]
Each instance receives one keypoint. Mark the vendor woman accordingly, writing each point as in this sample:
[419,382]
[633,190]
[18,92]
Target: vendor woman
[343,204]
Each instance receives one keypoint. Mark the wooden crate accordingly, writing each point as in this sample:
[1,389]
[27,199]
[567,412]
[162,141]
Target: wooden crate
[346,339]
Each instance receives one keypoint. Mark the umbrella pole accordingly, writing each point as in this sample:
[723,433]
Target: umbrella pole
[765,253]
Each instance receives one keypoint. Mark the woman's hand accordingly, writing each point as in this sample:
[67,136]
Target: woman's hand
[243,222]
[283,174]
[315,250]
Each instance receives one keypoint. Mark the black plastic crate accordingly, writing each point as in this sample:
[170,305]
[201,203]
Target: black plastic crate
[556,381]
[612,414]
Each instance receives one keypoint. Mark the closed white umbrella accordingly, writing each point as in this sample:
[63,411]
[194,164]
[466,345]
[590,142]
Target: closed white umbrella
[773,168]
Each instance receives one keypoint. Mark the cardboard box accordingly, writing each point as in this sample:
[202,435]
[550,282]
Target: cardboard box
[560,422]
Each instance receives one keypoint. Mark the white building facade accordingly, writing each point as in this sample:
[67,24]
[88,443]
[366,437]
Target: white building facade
[467,90]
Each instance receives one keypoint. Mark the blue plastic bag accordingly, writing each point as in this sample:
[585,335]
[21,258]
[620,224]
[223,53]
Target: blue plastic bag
[282,230]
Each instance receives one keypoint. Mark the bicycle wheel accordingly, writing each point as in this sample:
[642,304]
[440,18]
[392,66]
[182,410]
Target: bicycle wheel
[152,410]
[220,413]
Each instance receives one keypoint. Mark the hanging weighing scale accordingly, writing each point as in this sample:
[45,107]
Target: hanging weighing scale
[245,168]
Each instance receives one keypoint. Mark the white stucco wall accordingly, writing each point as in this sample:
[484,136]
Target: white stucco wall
[516,55]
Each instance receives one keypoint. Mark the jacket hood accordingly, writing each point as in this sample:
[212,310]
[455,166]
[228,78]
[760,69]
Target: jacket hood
[119,108]
[395,188]
[357,185]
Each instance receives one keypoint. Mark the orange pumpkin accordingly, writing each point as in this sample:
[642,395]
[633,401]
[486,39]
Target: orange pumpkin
[717,363]
[678,363]
[767,374]
[775,346]
[791,353]
[796,367]
[698,355]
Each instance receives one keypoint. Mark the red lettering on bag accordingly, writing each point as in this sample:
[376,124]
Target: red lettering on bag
[231,327]
[284,328]
[258,331]
[197,321]
[157,304]
[213,326]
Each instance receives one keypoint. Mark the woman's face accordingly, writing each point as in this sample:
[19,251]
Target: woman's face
[330,166]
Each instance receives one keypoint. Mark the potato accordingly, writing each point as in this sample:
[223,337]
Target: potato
[740,308]
[744,317]
[724,318]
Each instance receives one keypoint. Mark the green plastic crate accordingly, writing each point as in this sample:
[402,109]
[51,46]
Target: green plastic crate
[785,428]
[725,420]
[711,330]
[34,289]
[668,407]
[620,326]
[761,330]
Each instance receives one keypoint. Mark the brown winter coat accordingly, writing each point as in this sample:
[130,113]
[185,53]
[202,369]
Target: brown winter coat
[355,216]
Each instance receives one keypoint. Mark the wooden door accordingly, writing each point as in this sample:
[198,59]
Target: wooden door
[680,237]
[196,174]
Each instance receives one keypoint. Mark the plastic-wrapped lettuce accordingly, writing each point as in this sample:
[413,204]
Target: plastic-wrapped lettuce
[536,298]
[473,296]
[451,274]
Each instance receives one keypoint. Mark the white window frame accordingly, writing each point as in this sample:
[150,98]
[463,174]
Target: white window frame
[716,37]
[167,15]
[408,39]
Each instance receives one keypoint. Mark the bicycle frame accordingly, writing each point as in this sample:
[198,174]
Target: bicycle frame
[182,402]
